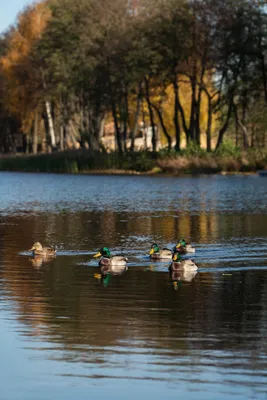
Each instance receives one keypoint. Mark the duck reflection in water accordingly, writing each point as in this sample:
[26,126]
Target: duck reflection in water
[37,261]
[185,276]
[41,255]
[107,271]
[182,270]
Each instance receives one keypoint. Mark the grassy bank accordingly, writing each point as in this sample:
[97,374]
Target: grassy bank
[81,161]
[190,161]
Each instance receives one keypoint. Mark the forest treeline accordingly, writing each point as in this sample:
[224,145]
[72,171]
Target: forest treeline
[193,71]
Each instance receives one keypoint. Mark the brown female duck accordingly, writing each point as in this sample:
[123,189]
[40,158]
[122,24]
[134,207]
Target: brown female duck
[38,250]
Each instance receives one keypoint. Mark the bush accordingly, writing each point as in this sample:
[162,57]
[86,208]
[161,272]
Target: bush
[227,148]
[192,160]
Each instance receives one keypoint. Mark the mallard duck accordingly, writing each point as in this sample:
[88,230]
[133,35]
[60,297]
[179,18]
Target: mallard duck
[157,254]
[179,264]
[182,247]
[38,250]
[108,260]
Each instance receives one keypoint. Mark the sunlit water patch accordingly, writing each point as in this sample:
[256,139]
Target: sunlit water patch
[67,332]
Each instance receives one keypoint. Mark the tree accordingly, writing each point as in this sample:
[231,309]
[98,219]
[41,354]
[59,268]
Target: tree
[24,88]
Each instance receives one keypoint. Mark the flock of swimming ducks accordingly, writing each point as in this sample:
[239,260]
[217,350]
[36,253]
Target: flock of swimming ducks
[109,263]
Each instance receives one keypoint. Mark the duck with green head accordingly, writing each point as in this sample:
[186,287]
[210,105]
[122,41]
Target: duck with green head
[179,264]
[157,254]
[182,247]
[38,250]
[108,260]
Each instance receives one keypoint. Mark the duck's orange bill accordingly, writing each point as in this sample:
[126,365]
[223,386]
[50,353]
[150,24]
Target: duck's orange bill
[151,251]
[175,257]
[97,255]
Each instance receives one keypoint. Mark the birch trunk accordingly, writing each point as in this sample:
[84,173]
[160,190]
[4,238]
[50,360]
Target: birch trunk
[50,123]
[101,128]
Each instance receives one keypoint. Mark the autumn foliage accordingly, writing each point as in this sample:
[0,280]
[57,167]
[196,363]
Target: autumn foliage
[23,82]
[101,73]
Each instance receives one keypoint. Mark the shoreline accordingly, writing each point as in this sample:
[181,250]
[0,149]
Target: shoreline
[119,172]
[137,164]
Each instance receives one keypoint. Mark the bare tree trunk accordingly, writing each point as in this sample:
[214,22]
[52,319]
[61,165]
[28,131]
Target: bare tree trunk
[35,133]
[123,122]
[61,140]
[176,117]
[164,129]
[126,118]
[114,112]
[151,116]
[236,130]
[101,128]
[264,79]
[192,124]
[244,119]
[49,115]
[225,125]
[50,124]
[261,46]
[253,136]
[71,132]
[242,127]
[245,134]
[193,77]
[209,123]
[197,119]
[136,117]
[199,99]
[97,128]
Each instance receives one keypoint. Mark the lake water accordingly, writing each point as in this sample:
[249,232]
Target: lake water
[66,334]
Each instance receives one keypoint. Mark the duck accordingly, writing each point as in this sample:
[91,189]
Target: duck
[182,247]
[107,260]
[178,264]
[157,254]
[38,250]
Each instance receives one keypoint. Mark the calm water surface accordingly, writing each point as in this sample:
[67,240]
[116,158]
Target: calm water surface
[65,334]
